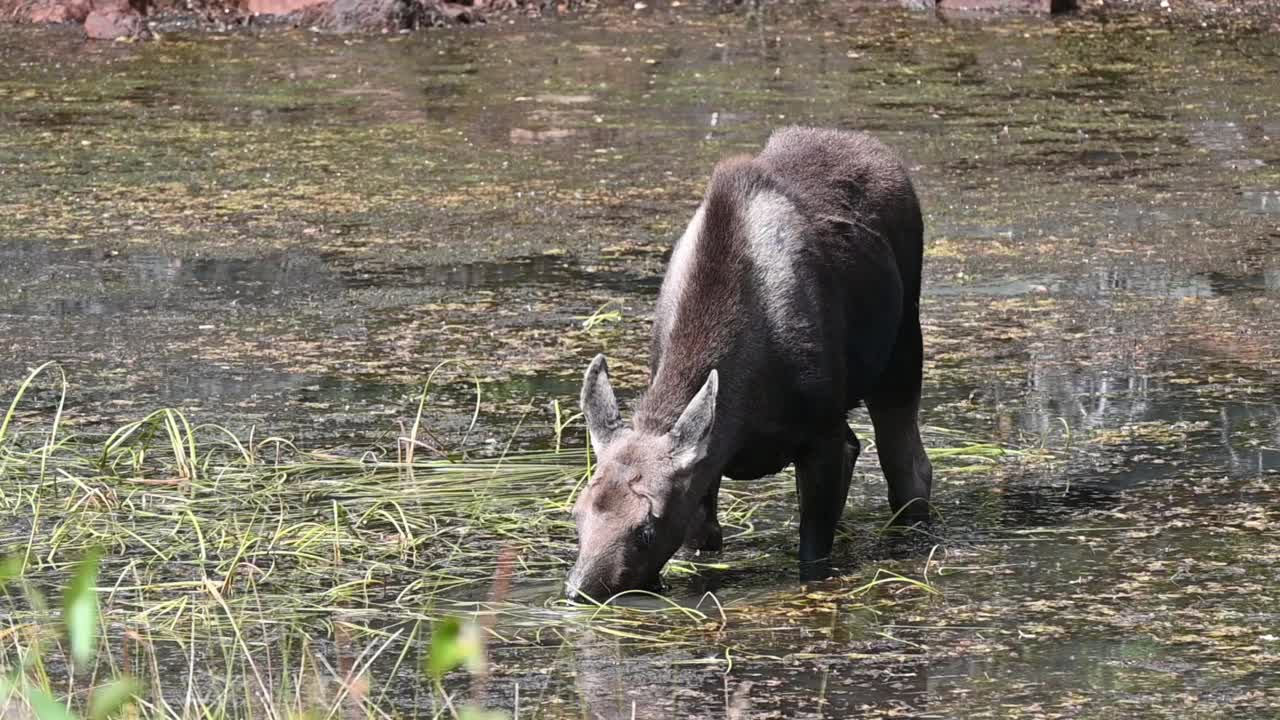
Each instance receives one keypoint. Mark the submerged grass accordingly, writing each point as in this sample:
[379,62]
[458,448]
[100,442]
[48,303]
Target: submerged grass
[245,576]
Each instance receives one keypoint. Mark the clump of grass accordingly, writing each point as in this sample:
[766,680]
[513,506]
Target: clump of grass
[245,576]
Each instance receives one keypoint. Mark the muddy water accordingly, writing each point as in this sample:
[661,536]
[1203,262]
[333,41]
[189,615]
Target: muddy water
[289,232]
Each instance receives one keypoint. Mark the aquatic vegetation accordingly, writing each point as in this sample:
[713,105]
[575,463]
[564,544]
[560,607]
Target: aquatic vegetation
[282,233]
[239,552]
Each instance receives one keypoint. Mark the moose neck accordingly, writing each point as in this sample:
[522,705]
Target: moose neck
[669,393]
[701,316]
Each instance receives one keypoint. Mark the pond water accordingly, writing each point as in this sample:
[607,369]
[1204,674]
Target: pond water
[287,231]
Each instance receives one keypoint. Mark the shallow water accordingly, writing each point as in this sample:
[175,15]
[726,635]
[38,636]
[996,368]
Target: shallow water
[290,231]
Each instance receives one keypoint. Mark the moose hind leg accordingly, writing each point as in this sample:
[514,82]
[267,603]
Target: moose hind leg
[907,469]
[852,448]
[895,412]
[823,472]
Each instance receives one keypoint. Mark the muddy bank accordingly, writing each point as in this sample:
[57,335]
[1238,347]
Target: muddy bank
[139,19]
[116,19]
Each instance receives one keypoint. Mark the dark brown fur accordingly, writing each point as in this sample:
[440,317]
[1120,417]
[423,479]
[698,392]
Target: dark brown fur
[801,288]
[708,314]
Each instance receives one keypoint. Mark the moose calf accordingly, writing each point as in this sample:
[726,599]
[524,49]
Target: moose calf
[793,295]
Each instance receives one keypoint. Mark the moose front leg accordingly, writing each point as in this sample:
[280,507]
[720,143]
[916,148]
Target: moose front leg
[823,473]
[704,531]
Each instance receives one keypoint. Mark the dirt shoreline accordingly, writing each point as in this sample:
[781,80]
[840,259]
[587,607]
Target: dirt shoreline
[137,19]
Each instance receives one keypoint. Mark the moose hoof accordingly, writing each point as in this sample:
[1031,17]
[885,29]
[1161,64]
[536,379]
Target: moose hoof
[917,511]
[813,570]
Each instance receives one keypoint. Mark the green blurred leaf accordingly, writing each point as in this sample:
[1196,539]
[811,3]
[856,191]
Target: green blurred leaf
[110,698]
[80,609]
[10,568]
[45,707]
[471,712]
[453,644]
[446,653]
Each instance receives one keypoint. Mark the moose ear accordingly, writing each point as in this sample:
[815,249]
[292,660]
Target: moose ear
[600,405]
[691,435]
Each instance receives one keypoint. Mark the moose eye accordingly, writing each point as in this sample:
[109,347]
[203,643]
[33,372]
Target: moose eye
[644,533]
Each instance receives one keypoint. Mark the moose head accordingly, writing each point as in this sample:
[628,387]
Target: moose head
[633,514]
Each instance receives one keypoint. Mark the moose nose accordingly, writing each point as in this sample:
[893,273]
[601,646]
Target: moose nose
[571,588]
